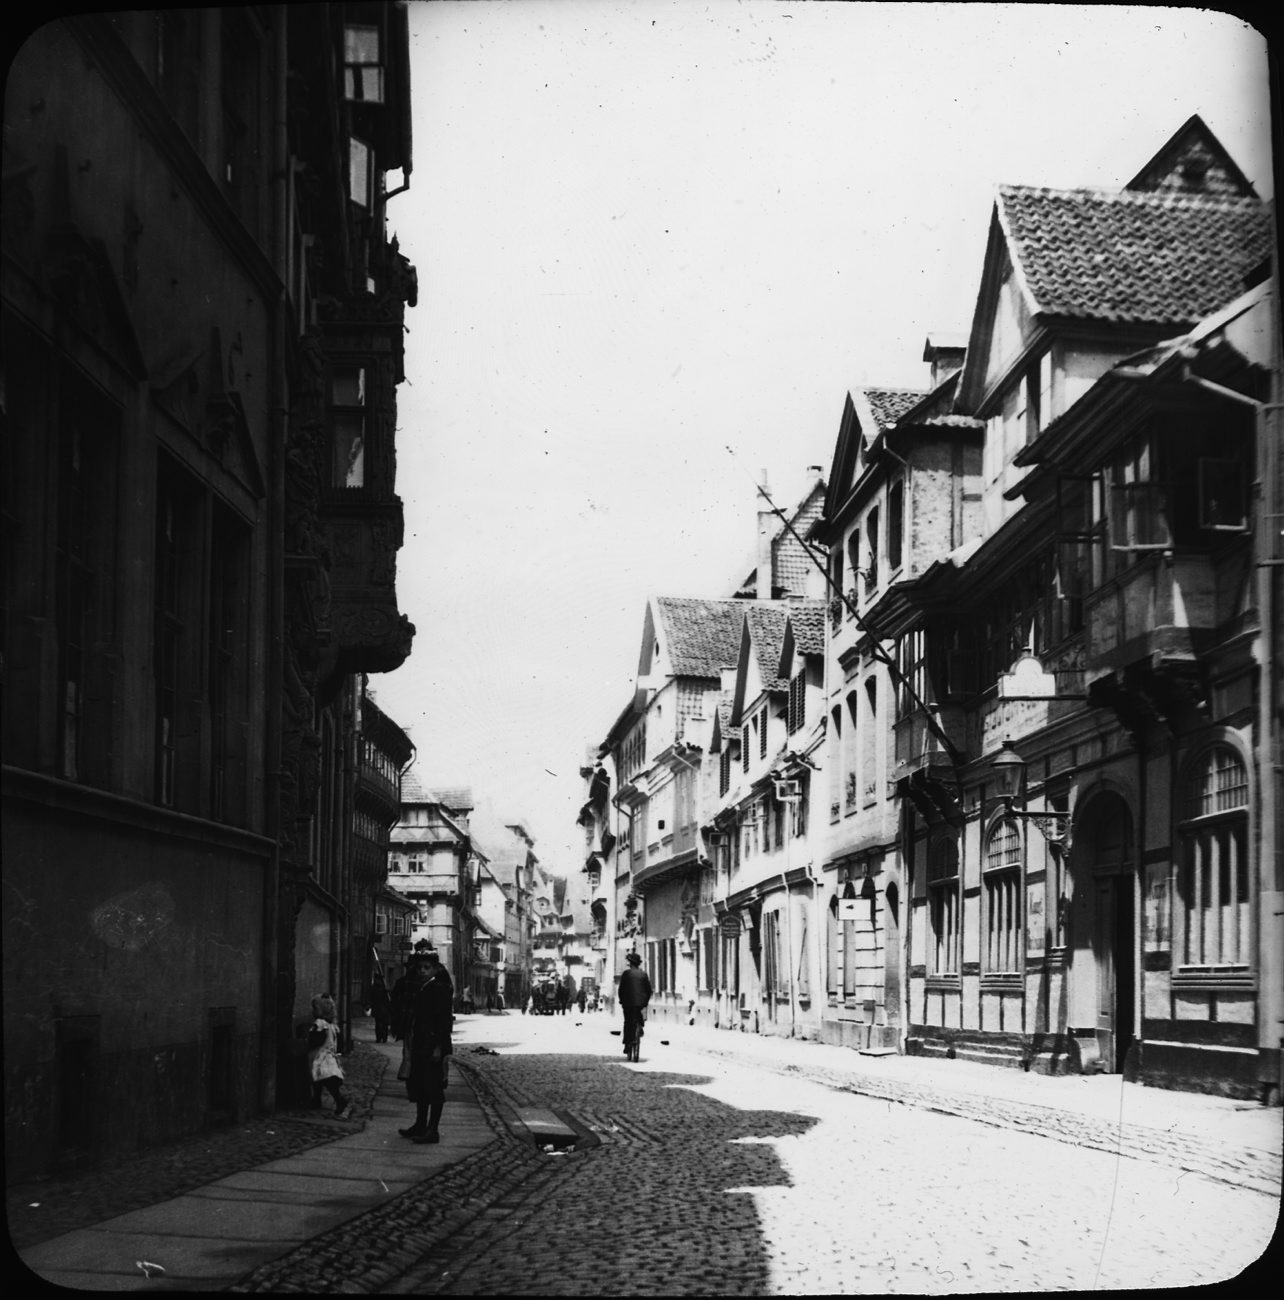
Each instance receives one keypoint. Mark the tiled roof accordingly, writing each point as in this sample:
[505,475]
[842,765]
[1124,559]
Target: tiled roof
[808,622]
[889,404]
[790,564]
[767,633]
[703,636]
[459,798]
[454,798]
[1155,258]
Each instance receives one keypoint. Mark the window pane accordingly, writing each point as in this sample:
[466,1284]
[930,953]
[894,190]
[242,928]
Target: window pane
[359,172]
[361,45]
[895,525]
[349,451]
[348,387]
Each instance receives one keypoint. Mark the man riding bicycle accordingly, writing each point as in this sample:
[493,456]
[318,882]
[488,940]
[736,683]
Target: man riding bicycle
[635,993]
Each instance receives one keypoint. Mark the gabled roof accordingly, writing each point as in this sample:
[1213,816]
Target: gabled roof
[1155,258]
[869,414]
[766,625]
[1151,259]
[456,798]
[701,637]
[887,405]
[762,631]
[936,409]
[1193,158]
[790,564]
[722,729]
[804,633]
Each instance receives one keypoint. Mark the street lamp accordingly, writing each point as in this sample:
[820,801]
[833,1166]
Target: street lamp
[1009,771]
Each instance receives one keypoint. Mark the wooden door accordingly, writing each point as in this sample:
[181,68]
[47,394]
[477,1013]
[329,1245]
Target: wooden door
[1114,943]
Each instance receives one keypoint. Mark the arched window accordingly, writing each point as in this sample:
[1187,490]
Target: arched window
[1214,875]
[851,753]
[943,904]
[1002,892]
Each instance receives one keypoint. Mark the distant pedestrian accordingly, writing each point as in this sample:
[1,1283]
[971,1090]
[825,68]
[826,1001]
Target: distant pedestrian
[559,1000]
[634,993]
[581,998]
[380,1007]
[430,1050]
[467,1002]
[323,1057]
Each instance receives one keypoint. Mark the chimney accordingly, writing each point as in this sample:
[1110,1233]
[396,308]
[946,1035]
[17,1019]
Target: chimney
[945,352]
[766,530]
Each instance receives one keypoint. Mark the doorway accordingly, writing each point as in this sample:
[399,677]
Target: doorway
[1114,934]
[1105,863]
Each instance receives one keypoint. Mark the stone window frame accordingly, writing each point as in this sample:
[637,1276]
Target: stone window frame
[1202,835]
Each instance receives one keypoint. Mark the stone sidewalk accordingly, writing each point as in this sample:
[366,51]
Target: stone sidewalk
[218,1207]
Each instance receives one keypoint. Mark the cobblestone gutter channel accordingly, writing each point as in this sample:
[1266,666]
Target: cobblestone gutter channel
[37,1211]
[467,1208]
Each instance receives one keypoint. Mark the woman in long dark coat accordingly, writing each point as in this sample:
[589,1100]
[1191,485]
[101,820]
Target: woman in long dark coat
[430,1049]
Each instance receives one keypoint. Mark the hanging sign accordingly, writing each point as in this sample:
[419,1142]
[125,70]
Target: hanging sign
[730,925]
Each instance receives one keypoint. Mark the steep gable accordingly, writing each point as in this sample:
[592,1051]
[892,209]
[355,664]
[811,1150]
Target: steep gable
[1193,161]
[888,405]
[697,638]
[1157,256]
[791,555]
[758,661]
[803,635]
[848,463]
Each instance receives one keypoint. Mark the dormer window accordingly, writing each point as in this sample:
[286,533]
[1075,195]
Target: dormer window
[362,71]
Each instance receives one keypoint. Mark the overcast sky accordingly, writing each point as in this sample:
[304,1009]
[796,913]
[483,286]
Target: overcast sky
[649,232]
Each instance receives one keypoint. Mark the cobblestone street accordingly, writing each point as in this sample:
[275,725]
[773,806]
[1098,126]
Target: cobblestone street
[708,1168]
